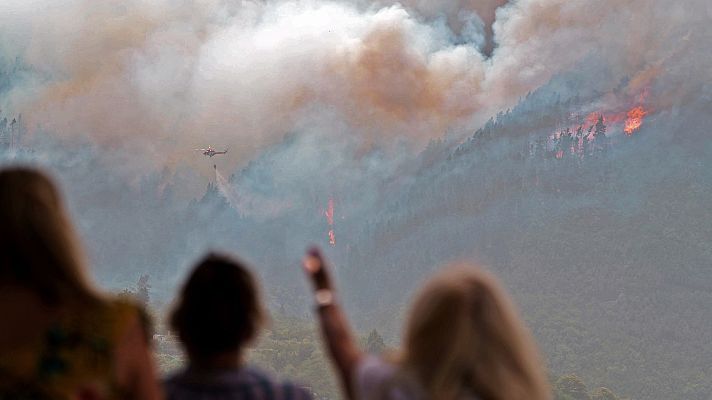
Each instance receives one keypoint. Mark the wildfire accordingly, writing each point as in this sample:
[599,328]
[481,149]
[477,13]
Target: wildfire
[592,118]
[329,213]
[634,120]
[586,129]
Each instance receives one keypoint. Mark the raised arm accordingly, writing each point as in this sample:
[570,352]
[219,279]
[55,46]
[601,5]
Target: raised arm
[343,348]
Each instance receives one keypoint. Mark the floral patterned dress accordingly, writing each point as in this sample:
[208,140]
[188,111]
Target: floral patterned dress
[72,359]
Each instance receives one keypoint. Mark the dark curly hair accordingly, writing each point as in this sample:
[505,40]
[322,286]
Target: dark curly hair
[219,309]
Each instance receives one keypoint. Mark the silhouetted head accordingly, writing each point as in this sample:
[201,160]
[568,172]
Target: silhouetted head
[464,337]
[219,309]
[38,246]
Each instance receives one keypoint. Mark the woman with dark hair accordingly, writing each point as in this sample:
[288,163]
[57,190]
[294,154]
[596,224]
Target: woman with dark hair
[60,337]
[217,315]
[463,340]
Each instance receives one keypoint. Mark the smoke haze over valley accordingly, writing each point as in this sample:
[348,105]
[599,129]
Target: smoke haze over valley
[563,144]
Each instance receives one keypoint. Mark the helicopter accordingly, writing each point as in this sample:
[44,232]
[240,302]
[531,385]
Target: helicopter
[210,152]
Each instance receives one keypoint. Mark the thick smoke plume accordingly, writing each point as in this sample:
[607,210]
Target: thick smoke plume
[162,77]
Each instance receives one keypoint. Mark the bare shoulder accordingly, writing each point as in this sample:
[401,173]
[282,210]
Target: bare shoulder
[133,362]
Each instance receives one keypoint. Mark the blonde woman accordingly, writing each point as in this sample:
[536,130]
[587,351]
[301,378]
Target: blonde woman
[463,340]
[59,337]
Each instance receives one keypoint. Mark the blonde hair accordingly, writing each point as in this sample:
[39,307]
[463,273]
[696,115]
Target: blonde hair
[38,246]
[464,337]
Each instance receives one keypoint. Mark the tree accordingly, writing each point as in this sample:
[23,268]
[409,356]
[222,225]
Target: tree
[603,394]
[572,138]
[143,289]
[374,343]
[601,138]
[570,387]
[141,293]
[600,127]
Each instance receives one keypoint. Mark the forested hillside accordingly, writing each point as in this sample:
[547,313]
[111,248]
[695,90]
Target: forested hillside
[292,348]
[607,251]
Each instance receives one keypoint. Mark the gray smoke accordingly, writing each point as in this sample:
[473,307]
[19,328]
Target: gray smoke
[162,78]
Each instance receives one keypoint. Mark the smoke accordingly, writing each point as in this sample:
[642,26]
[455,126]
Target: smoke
[248,204]
[229,193]
[171,76]
[643,43]
[469,20]
[160,78]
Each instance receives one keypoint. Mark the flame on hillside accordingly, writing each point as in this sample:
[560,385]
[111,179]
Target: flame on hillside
[593,117]
[329,213]
[590,133]
[634,120]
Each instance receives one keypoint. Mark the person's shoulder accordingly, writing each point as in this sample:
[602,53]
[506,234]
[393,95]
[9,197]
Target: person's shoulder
[120,306]
[173,383]
[187,384]
[103,318]
[123,314]
[293,391]
[248,381]
[111,309]
[276,389]
[375,377]
[372,370]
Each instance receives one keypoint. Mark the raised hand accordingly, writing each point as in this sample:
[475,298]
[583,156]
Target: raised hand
[317,270]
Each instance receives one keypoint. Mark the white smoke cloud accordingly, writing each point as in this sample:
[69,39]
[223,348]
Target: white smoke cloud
[636,40]
[169,76]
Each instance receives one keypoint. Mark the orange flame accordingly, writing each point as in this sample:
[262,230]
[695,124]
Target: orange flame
[634,120]
[329,213]
[614,118]
[592,118]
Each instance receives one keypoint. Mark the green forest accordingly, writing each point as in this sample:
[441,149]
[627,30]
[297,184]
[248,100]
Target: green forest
[291,348]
